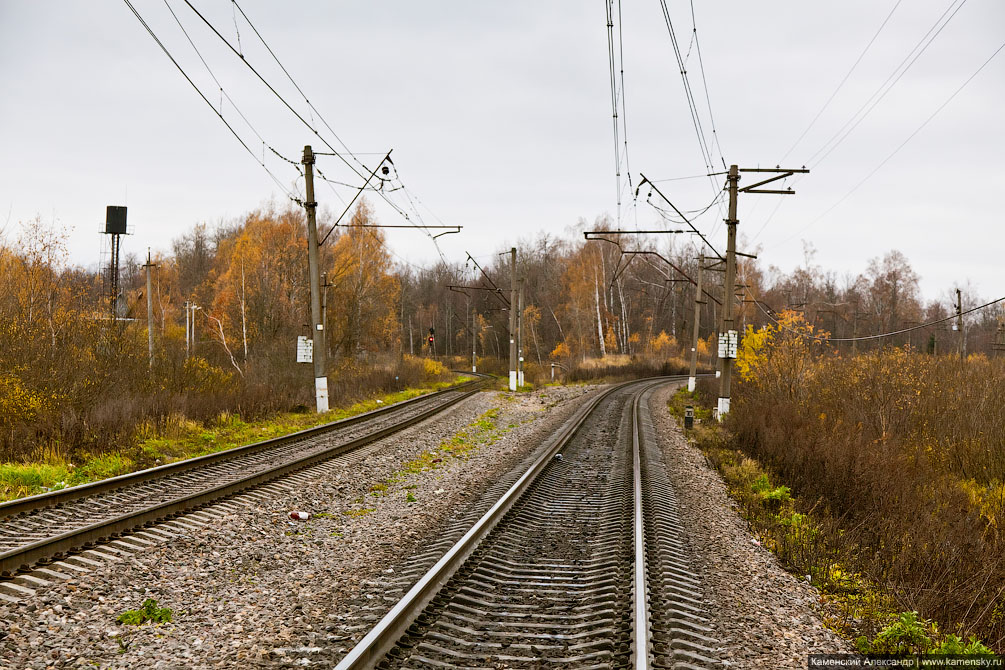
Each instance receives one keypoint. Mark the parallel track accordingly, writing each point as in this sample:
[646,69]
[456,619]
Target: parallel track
[580,564]
[48,525]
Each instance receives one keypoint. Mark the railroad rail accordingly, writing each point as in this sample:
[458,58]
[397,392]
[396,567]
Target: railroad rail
[44,526]
[580,563]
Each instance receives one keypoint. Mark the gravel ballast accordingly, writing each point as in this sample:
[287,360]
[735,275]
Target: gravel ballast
[256,589]
[764,617]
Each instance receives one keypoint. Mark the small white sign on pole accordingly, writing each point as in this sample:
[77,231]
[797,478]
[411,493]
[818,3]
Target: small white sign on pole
[727,344]
[305,349]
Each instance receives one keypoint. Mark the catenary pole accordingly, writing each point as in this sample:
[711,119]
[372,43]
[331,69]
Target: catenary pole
[698,302]
[727,290]
[314,270]
[512,320]
[519,336]
[150,309]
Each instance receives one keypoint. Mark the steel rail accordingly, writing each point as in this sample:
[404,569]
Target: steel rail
[12,508]
[18,558]
[385,635]
[640,602]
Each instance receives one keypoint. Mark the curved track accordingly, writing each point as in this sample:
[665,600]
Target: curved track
[47,525]
[580,564]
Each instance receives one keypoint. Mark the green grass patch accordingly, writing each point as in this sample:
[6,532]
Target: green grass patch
[148,612]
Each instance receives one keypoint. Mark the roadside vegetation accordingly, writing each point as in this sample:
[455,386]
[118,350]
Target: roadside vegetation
[879,476]
[177,439]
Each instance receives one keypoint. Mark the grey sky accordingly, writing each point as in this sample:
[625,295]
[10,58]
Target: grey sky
[499,115]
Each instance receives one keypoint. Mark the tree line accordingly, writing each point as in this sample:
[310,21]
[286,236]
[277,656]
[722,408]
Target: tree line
[70,374]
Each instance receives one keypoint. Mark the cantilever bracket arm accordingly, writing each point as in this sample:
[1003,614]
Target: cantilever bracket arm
[782,174]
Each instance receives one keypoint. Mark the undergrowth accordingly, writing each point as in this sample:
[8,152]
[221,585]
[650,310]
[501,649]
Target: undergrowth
[812,543]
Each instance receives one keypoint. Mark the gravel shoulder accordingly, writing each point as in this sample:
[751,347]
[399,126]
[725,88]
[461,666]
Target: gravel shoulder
[764,617]
[256,589]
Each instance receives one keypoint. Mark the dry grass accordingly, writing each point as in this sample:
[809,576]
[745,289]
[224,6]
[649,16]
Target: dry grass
[906,453]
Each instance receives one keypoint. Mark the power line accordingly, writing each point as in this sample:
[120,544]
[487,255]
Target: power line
[297,86]
[887,85]
[704,84]
[899,147]
[692,107]
[223,93]
[843,81]
[869,337]
[208,103]
[299,116]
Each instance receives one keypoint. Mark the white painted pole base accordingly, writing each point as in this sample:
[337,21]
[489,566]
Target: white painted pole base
[690,384]
[321,393]
[723,408]
[512,380]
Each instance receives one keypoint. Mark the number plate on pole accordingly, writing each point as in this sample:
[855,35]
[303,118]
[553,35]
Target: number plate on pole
[305,349]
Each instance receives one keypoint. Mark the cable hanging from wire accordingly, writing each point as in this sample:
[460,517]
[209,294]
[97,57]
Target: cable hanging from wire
[202,95]
[877,336]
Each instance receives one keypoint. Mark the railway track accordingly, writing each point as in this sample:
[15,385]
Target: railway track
[580,563]
[41,527]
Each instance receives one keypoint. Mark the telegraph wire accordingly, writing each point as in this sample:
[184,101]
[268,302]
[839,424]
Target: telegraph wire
[887,85]
[869,337]
[299,116]
[225,94]
[900,146]
[219,115]
[842,82]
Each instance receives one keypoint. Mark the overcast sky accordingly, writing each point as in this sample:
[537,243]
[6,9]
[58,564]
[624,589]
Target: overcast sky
[499,115]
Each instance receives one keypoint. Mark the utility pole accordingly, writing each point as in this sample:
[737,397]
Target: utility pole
[150,309]
[474,341]
[324,304]
[512,319]
[698,302]
[314,269]
[728,340]
[519,336]
[188,329]
[727,292]
[959,324]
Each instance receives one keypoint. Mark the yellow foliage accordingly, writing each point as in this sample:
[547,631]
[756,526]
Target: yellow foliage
[662,344]
[989,500]
[18,403]
[432,368]
[561,351]
[203,377]
[610,341]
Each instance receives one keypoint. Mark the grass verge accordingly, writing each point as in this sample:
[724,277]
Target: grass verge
[180,439]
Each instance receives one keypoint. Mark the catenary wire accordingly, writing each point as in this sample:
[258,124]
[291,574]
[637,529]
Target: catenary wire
[900,146]
[887,85]
[219,115]
[871,337]
[224,92]
[843,81]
